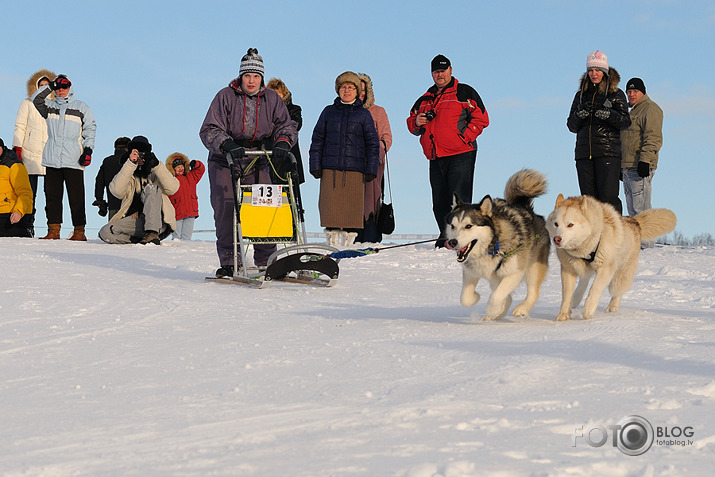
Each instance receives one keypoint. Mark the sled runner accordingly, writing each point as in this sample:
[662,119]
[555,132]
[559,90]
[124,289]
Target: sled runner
[273,214]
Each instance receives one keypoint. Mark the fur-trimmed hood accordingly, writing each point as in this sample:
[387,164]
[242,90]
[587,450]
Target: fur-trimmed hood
[170,160]
[613,79]
[369,94]
[32,85]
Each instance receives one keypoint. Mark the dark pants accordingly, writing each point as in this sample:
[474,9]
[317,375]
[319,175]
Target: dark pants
[598,178]
[55,182]
[448,176]
[222,201]
[23,228]
[369,233]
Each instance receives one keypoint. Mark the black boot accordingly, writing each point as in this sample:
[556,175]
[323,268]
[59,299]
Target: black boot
[225,271]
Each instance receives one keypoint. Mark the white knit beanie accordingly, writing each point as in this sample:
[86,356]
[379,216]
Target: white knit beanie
[597,59]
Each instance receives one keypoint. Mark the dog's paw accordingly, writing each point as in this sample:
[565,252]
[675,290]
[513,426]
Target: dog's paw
[490,318]
[521,310]
[469,298]
[563,317]
[614,305]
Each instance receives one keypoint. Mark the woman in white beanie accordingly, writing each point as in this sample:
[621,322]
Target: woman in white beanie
[599,112]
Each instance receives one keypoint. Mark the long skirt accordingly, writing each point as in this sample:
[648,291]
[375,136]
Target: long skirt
[341,201]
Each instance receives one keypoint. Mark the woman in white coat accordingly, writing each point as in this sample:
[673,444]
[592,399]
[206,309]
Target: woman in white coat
[30,135]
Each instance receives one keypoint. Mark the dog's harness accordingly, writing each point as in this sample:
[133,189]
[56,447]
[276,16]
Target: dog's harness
[593,254]
[496,252]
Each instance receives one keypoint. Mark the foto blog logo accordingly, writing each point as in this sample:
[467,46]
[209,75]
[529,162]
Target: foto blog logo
[632,435]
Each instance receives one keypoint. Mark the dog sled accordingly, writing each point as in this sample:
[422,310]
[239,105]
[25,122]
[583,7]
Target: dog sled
[273,214]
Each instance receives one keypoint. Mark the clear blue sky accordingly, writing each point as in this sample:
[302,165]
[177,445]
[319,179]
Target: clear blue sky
[153,67]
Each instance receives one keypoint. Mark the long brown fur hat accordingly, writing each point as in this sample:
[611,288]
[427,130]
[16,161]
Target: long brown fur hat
[35,78]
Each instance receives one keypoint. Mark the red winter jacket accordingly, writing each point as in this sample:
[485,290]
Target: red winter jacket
[185,201]
[460,118]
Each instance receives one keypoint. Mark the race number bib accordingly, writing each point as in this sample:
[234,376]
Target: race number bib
[266,195]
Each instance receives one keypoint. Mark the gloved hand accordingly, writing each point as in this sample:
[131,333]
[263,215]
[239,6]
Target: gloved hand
[103,207]
[369,177]
[60,82]
[150,161]
[603,114]
[280,151]
[86,158]
[229,146]
[18,152]
[584,109]
[317,174]
[643,169]
[192,165]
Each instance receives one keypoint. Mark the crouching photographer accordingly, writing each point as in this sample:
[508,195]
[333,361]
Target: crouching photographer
[144,185]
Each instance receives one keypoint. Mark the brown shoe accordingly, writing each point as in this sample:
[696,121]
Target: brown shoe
[150,237]
[53,232]
[78,234]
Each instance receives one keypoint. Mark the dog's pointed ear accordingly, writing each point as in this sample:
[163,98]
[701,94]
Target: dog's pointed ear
[485,206]
[559,200]
[456,202]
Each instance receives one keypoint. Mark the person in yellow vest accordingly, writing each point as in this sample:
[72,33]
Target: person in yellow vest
[15,196]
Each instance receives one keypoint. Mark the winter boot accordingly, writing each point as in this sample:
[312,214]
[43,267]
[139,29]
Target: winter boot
[53,232]
[150,237]
[225,271]
[331,236]
[350,238]
[78,234]
[342,237]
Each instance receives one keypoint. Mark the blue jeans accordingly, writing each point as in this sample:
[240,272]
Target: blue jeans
[637,190]
[448,176]
[184,228]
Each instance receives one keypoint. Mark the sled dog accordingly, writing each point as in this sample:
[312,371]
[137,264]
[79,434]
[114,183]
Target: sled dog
[592,238]
[503,241]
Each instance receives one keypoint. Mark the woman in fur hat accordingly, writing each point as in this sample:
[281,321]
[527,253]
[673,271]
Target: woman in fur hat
[185,201]
[344,155]
[30,135]
[598,114]
[373,189]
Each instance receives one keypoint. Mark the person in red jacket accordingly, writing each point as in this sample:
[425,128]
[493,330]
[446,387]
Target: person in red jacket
[448,118]
[185,201]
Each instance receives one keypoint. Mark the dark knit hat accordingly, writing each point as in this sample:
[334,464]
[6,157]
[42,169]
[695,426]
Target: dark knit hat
[178,161]
[636,83]
[251,62]
[440,62]
[140,143]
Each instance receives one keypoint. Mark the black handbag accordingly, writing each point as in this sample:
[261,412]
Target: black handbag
[386,215]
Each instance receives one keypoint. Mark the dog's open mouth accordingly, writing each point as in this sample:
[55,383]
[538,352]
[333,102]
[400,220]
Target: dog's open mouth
[463,253]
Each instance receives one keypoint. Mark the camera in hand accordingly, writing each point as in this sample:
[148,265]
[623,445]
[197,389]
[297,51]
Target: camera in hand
[430,115]
[140,160]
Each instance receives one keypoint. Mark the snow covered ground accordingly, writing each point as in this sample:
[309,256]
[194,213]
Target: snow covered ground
[123,361]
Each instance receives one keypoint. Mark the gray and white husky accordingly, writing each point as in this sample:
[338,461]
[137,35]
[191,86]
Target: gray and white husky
[504,241]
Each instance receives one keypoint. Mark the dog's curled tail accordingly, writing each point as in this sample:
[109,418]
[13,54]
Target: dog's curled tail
[656,222]
[524,186]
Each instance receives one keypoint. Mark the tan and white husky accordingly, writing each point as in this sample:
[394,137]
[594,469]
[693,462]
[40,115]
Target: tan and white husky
[591,238]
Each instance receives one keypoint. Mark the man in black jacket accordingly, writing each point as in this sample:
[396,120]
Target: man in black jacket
[109,168]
